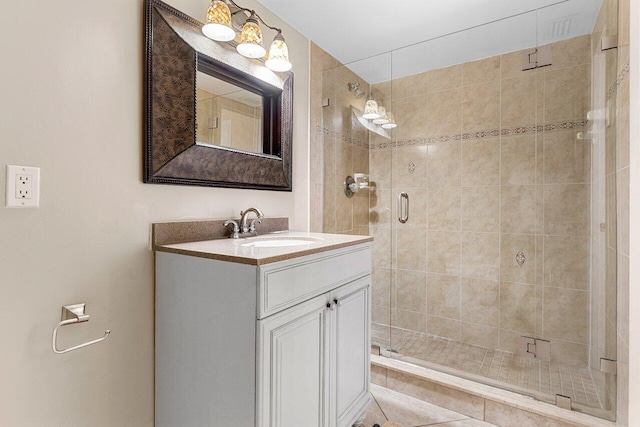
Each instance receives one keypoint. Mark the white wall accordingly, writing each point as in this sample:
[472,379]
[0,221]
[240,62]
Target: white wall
[71,103]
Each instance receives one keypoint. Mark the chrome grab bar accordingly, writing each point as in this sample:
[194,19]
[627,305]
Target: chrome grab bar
[403,218]
[74,313]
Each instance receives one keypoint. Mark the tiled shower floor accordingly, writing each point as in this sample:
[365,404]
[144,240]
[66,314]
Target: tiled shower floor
[582,385]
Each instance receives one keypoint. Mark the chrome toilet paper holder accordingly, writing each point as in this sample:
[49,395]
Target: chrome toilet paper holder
[74,313]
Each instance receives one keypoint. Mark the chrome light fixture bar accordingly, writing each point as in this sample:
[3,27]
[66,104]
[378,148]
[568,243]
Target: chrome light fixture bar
[218,26]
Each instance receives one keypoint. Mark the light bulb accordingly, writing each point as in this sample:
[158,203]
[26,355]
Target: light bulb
[383,117]
[218,22]
[278,55]
[371,110]
[251,39]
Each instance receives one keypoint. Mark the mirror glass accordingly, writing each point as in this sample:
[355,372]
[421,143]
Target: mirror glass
[227,115]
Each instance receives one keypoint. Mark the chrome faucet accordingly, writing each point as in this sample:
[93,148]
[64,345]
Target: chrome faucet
[242,229]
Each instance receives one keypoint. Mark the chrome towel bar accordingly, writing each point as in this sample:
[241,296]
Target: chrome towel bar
[74,313]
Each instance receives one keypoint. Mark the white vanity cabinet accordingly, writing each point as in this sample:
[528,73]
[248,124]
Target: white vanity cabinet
[284,344]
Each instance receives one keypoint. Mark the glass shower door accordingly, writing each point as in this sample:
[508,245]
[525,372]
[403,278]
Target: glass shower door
[504,270]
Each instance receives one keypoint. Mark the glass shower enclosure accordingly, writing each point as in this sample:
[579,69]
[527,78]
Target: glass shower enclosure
[487,182]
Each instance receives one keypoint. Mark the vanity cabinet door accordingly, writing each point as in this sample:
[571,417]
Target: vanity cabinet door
[293,366]
[351,340]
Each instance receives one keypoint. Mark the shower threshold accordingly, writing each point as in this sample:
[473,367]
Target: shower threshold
[532,377]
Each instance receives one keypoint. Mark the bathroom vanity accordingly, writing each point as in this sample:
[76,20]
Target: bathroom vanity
[271,331]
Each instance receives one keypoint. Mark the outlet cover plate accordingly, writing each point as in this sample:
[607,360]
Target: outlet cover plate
[12,199]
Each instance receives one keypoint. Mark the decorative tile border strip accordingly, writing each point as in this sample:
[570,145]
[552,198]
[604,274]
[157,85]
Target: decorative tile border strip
[620,78]
[320,130]
[482,134]
[485,134]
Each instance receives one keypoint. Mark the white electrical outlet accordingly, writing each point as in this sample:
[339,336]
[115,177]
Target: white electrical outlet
[23,187]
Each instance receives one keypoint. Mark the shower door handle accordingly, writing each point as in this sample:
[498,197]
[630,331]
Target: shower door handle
[403,207]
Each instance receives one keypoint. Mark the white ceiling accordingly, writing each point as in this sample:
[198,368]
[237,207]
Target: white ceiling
[404,37]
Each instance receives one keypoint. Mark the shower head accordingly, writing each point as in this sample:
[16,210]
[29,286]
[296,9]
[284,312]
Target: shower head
[355,88]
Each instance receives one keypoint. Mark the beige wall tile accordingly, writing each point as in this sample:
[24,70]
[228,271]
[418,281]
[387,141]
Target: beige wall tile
[622,395]
[566,209]
[566,262]
[622,125]
[567,93]
[411,116]
[406,87]
[511,65]
[518,165]
[329,210]
[566,314]
[416,176]
[445,78]
[444,252]
[480,335]
[480,256]
[510,270]
[622,312]
[381,286]
[378,376]
[380,315]
[411,250]
[443,295]
[611,207]
[623,182]
[412,290]
[409,320]
[382,238]
[518,101]
[380,167]
[481,107]
[485,70]
[444,208]
[380,206]
[518,307]
[361,210]
[464,403]
[444,164]
[446,328]
[481,162]
[344,161]
[568,353]
[508,416]
[571,52]
[518,209]
[481,208]
[344,211]
[445,112]
[567,159]
[509,340]
[479,302]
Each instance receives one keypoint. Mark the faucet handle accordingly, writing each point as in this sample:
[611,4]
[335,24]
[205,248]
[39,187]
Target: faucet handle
[236,227]
[252,225]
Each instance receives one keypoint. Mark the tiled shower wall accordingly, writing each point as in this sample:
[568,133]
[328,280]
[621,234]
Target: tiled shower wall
[339,147]
[497,242]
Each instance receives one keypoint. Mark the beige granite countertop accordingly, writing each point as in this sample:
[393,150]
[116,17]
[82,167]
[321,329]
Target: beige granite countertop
[242,250]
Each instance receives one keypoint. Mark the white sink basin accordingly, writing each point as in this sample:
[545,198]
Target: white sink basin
[279,242]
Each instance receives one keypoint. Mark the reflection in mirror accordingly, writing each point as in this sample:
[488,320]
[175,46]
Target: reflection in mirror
[227,115]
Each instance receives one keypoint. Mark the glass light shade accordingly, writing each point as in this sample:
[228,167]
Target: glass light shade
[371,110]
[218,22]
[383,117]
[278,55]
[251,40]
[391,123]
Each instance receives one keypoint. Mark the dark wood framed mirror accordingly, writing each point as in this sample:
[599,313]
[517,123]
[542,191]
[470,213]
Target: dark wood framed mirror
[212,117]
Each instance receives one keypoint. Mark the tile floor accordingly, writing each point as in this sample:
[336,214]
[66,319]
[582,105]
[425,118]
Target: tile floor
[392,409]
[521,374]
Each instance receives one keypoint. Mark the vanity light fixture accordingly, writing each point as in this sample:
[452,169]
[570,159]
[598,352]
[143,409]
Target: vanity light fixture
[383,117]
[371,110]
[391,123]
[219,27]
[218,22]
